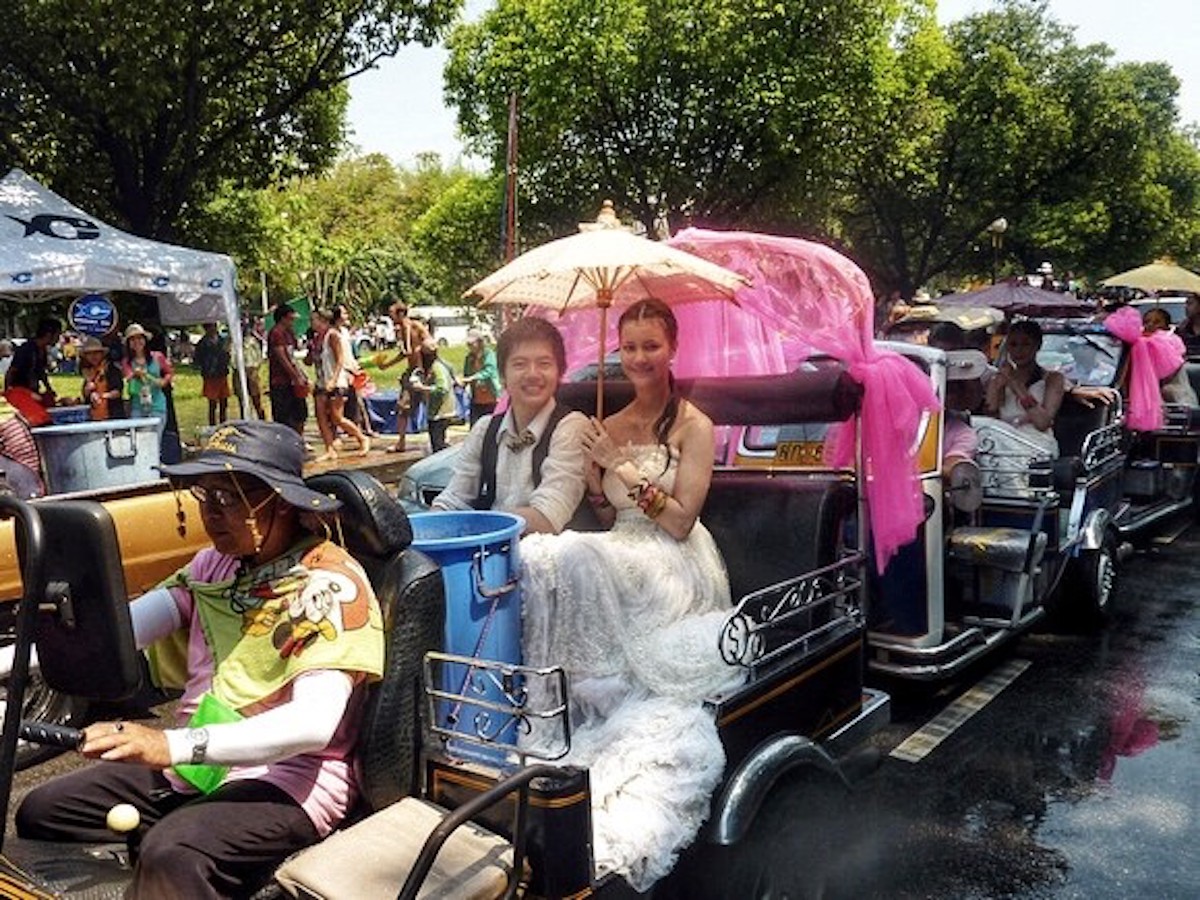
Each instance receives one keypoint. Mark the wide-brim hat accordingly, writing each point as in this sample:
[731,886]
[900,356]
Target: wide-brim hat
[271,452]
[134,330]
[92,345]
[965,365]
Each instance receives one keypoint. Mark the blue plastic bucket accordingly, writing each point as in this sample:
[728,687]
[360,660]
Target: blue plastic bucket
[480,559]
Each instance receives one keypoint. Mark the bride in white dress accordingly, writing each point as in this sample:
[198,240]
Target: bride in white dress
[633,614]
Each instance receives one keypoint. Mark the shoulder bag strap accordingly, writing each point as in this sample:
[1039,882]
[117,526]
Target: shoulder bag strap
[487,464]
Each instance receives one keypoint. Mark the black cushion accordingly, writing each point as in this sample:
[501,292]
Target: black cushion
[372,521]
[1075,422]
[772,528]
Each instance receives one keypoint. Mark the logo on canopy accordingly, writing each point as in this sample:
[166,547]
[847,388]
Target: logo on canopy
[81,229]
[93,314]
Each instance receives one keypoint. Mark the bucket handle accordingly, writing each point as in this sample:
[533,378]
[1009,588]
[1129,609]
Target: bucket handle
[121,449]
[480,586]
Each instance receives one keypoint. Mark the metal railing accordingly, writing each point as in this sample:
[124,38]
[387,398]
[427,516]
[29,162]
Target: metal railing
[795,617]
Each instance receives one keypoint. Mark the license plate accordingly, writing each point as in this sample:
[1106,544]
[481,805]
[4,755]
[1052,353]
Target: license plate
[800,453]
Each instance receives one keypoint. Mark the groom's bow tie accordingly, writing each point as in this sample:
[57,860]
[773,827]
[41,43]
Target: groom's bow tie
[518,442]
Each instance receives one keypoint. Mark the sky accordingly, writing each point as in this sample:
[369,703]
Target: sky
[397,109]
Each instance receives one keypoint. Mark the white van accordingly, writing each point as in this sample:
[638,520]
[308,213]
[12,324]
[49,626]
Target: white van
[450,324]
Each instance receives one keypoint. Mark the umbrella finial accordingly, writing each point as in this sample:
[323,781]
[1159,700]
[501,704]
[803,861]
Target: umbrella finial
[606,219]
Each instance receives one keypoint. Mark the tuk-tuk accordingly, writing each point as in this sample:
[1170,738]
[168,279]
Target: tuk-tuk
[796,635]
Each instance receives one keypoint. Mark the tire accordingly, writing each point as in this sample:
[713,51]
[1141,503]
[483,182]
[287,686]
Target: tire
[1088,585]
[44,704]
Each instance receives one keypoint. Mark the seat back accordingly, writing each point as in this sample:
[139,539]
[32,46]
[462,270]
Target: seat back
[1075,422]
[794,525]
[411,596]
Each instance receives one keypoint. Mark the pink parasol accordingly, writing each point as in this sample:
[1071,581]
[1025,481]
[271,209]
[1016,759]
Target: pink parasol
[802,299]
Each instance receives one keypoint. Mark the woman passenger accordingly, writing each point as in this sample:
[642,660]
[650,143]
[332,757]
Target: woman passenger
[1023,397]
[1176,387]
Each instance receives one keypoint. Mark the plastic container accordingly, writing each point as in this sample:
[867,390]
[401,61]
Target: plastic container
[69,415]
[480,560]
[96,455]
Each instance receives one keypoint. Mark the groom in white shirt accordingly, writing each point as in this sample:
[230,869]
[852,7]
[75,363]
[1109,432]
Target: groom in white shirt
[528,460]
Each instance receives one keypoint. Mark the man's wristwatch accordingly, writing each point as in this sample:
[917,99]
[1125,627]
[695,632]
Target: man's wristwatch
[198,738]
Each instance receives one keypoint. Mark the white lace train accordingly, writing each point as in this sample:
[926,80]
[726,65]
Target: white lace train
[634,615]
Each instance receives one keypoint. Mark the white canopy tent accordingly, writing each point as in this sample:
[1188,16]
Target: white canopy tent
[51,249]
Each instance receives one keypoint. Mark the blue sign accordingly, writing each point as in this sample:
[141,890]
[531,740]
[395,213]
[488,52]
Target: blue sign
[93,314]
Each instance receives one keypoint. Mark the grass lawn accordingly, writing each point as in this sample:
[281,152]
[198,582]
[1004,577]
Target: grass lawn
[192,409]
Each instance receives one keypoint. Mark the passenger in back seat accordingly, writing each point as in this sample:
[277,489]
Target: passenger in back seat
[633,613]
[1023,398]
[1175,388]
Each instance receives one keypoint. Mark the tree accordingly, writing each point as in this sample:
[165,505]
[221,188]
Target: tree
[458,237]
[713,111]
[142,109]
[1003,114]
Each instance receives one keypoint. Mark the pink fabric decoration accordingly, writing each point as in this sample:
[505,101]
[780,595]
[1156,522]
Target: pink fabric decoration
[804,299]
[1152,357]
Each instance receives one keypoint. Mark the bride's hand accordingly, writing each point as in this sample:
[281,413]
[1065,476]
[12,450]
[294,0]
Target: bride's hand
[600,447]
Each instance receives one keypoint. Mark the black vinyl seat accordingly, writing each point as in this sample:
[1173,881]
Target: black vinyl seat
[1074,423]
[411,595]
[794,525]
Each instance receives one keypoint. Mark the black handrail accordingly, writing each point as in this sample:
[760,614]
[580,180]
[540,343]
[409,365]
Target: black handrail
[25,517]
[463,814]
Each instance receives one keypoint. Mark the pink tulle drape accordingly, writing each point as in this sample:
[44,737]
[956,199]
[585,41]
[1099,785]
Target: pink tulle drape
[1152,357]
[803,299]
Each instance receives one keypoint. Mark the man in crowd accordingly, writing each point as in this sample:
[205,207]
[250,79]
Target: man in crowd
[212,359]
[30,363]
[410,337]
[287,382]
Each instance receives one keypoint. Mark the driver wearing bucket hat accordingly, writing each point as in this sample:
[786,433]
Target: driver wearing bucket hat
[273,634]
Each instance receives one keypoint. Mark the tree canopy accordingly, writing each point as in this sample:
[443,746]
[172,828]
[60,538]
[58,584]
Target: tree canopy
[700,110]
[143,109]
[865,123]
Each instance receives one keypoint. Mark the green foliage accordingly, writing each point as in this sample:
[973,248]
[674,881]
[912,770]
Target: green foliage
[367,231]
[1004,114]
[458,236]
[703,110]
[143,109]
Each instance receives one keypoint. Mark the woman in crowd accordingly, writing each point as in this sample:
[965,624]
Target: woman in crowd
[633,613]
[317,335]
[481,376]
[339,370]
[147,373]
[103,385]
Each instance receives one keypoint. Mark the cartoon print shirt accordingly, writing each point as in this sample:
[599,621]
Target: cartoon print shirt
[249,637]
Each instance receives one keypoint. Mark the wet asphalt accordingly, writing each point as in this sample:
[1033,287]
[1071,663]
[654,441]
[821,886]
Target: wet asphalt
[1080,780]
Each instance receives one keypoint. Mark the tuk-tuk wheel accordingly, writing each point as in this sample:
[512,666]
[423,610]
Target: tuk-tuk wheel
[1089,584]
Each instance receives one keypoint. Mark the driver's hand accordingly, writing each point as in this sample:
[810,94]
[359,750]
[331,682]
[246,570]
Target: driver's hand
[127,742]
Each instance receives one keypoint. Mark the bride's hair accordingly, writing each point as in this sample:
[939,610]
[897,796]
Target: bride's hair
[653,308]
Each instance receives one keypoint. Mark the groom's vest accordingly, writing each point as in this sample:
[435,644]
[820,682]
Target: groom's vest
[491,451]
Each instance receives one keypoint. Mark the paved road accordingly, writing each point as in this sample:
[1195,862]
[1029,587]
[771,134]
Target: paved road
[1080,780]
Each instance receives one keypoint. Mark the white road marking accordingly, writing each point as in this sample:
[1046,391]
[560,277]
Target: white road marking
[921,742]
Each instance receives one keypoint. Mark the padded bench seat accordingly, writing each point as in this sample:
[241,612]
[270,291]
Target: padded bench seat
[770,528]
